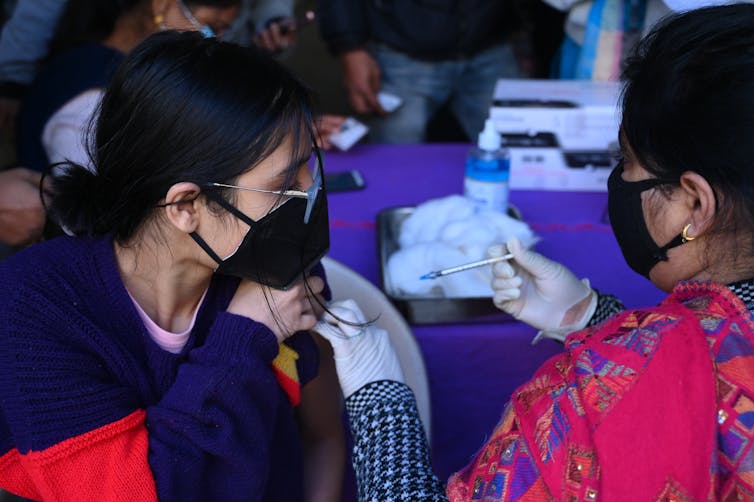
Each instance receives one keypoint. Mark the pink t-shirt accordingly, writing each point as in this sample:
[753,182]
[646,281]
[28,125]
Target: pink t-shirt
[167,340]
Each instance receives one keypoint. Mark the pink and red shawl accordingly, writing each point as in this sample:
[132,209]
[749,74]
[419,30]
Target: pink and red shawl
[653,404]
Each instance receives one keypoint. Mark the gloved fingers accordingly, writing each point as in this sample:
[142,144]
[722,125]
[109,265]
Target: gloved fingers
[512,307]
[344,310]
[499,284]
[506,295]
[496,250]
[355,308]
[335,313]
[379,334]
[531,261]
[503,269]
[351,328]
[331,333]
[515,247]
[523,257]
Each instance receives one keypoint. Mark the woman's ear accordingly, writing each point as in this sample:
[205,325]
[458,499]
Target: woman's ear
[701,200]
[182,206]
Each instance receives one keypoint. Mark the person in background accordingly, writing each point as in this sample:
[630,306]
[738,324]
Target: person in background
[22,216]
[426,53]
[599,34]
[25,39]
[90,41]
[265,23]
[159,354]
[23,45]
[646,404]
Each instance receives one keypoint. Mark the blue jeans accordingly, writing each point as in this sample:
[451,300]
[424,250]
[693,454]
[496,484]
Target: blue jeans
[424,86]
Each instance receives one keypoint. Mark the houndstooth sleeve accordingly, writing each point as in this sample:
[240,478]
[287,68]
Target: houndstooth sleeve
[390,453]
[607,307]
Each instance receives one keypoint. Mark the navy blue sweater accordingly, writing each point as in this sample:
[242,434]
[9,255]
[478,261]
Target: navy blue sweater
[92,409]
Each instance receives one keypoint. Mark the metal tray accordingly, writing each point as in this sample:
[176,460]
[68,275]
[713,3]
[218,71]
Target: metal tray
[426,309]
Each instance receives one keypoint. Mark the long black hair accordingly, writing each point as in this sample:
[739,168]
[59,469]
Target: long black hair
[180,108]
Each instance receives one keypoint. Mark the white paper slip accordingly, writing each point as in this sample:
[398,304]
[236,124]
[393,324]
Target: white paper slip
[389,102]
[350,132]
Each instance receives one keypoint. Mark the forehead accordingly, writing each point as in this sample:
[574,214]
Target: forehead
[280,162]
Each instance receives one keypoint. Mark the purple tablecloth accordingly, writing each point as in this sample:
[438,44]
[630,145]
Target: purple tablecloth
[474,368]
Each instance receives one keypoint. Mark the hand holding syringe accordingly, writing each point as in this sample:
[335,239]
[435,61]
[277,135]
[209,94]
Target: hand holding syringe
[467,266]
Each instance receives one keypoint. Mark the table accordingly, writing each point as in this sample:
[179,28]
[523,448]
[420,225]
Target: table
[474,368]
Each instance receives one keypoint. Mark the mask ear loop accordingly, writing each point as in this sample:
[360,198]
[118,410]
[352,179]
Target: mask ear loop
[682,238]
[232,210]
[662,253]
[235,212]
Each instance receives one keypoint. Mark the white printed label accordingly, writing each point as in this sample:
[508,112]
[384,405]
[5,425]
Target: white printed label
[486,194]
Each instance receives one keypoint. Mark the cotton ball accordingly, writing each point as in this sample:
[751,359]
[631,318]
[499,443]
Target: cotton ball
[407,265]
[471,236]
[444,233]
[473,283]
[426,221]
[506,227]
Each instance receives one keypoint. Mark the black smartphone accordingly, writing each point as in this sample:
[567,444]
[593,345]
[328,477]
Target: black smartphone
[344,181]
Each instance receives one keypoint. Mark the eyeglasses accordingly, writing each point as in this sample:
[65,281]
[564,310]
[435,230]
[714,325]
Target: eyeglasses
[205,29]
[310,194]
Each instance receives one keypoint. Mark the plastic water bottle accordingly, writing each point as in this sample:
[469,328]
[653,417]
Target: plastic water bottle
[487,171]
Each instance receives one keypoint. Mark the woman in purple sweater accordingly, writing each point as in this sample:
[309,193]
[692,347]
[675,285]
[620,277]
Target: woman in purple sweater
[159,354]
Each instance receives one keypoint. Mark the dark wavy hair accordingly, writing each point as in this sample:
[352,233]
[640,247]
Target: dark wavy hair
[180,108]
[688,105]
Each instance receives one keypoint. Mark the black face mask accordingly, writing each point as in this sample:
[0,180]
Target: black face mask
[280,247]
[640,251]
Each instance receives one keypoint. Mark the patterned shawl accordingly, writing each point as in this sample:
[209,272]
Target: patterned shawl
[653,404]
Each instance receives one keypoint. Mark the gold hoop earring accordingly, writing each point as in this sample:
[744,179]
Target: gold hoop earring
[685,234]
[158,20]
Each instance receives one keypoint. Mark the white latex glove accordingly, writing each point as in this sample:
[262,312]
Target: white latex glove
[540,292]
[362,354]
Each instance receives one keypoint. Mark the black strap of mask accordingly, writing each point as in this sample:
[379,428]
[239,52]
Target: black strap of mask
[643,185]
[662,253]
[228,207]
[205,247]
